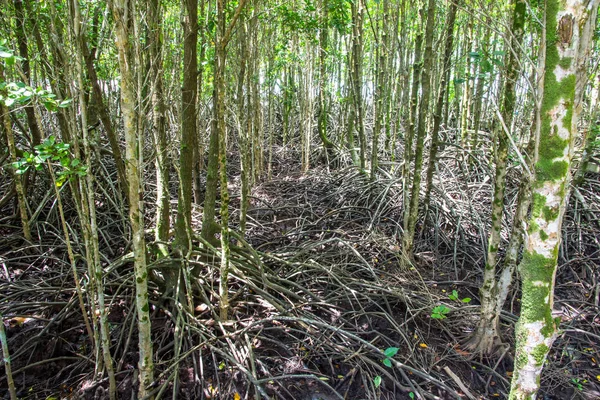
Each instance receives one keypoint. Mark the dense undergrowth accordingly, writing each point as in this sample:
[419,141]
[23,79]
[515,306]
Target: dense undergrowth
[319,292]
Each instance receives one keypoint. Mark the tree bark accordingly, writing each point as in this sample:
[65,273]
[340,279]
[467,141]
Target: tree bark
[437,116]
[159,134]
[486,336]
[183,223]
[413,209]
[122,11]
[536,329]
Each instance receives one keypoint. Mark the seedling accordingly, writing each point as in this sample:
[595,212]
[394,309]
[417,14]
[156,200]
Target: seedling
[578,383]
[439,312]
[377,381]
[454,296]
[387,361]
[389,353]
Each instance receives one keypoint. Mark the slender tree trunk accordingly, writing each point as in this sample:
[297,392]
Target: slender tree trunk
[159,134]
[244,118]
[413,209]
[357,79]
[183,223]
[437,116]
[54,67]
[90,224]
[122,11]
[486,336]
[222,39]
[536,329]
[410,131]
[479,89]
[7,363]
[466,92]
[323,87]
[36,134]
[381,57]
[199,144]
[10,138]
[102,109]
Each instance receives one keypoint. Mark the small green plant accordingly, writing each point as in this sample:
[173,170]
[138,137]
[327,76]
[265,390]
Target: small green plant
[454,297]
[377,381]
[439,312]
[389,353]
[387,361]
[578,383]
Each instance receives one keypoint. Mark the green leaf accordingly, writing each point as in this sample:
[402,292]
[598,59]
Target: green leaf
[5,54]
[411,395]
[391,351]
[466,300]
[65,103]
[377,381]
[387,362]
[50,105]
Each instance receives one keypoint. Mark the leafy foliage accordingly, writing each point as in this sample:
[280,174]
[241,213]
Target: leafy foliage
[54,153]
[439,312]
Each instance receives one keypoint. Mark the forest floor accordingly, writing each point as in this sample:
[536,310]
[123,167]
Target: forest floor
[320,294]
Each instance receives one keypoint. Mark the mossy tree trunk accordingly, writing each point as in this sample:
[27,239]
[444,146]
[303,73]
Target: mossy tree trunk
[437,116]
[536,329]
[223,38]
[410,220]
[466,87]
[410,131]
[159,133]
[183,223]
[357,86]
[244,123]
[89,220]
[480,87]
[380,56]
[123,12]
[486,335]
[323,86]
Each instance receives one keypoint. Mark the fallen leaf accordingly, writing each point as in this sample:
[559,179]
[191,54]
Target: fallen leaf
[423,345]
[237,396]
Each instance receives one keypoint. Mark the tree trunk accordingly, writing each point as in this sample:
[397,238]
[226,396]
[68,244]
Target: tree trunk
[357,86]
[413,210]
[410,132]
[89,223]
[10,138]
[161,233]
[183,223]
[121,10]
[36,134]
[536,329]
[486,336]
[381,56]
[437,116]
[323,91]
